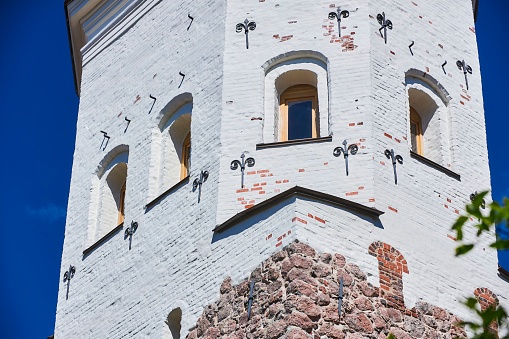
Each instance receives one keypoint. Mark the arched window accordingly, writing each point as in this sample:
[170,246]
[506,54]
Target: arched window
[171,145]
[296,97]
[299,113]
[108,194]
[112,208]
[428,120]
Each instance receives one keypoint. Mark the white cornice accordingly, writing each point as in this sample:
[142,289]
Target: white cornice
[116,23]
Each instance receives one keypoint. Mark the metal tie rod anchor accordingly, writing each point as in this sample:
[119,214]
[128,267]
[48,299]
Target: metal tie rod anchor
[204,175]
[340,14]
[250,299]
[67,278]
[394,158]
[246,26]
[249,162]
[353,148]
[129,231]
[385,24]
[340,297]
[462,66]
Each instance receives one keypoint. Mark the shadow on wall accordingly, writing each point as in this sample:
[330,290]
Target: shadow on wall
[174,325]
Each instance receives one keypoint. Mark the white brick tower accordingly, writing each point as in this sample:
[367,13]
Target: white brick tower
[299,145]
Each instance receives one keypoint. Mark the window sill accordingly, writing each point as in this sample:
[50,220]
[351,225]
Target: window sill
[435,165]
[101,241]
[168,191]
[293,142]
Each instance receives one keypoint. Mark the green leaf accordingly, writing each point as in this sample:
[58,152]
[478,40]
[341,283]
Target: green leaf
[463,249]
[391,336]
[500,244]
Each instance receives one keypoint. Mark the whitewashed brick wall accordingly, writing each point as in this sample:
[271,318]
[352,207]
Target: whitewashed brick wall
[176,260]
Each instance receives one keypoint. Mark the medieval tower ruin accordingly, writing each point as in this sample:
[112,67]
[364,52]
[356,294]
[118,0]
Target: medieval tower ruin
[273,169]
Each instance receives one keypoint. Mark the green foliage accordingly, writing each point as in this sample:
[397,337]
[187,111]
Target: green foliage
[485,217]
[391,336]
[496,214]
[481,329]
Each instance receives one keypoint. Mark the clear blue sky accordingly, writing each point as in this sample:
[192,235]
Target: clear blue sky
[38,119]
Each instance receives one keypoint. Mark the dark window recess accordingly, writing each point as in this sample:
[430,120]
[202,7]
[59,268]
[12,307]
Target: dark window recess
[300,115]
[413,136]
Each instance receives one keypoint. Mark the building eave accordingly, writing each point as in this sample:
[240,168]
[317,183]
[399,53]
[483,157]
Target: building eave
[67,20]
[475,6]
[298,191]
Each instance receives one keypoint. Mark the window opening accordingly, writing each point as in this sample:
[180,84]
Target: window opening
[186,157]
[299,113]
[416,131]
[121,213]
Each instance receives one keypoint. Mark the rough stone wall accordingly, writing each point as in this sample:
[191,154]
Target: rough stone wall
[296,296]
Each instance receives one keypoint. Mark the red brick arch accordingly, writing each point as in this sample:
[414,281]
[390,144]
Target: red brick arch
[487,299]
[391,265]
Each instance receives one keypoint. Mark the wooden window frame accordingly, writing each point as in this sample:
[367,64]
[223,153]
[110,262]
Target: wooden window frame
[416,119]
[121,205]
[298,93]
[184,161]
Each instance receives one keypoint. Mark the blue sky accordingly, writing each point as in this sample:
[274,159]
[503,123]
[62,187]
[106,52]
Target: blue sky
[38,125]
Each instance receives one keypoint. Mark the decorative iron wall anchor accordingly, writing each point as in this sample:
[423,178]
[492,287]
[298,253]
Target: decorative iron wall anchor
[410,47]
[395,158]
[246,26]
[204,175]
[128,122]
[385,24]
[351,148]
[129,231]
[67,278]
[183,76]
[340,297]
[462,66]
[153,103]
[250,299]
[443,66]
[105,137]
[192,19]
[474,195]
[249,162]
[340,14]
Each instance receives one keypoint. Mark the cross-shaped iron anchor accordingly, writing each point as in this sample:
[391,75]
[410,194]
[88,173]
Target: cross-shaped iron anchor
[204,175]
[246,26]
[67,278]
[129,231]
[395,158]
[385,24]
[249,162]
[462,66]
[340,14]
[351,148]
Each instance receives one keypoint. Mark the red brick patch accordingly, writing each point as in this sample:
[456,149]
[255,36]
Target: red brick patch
[319,219]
